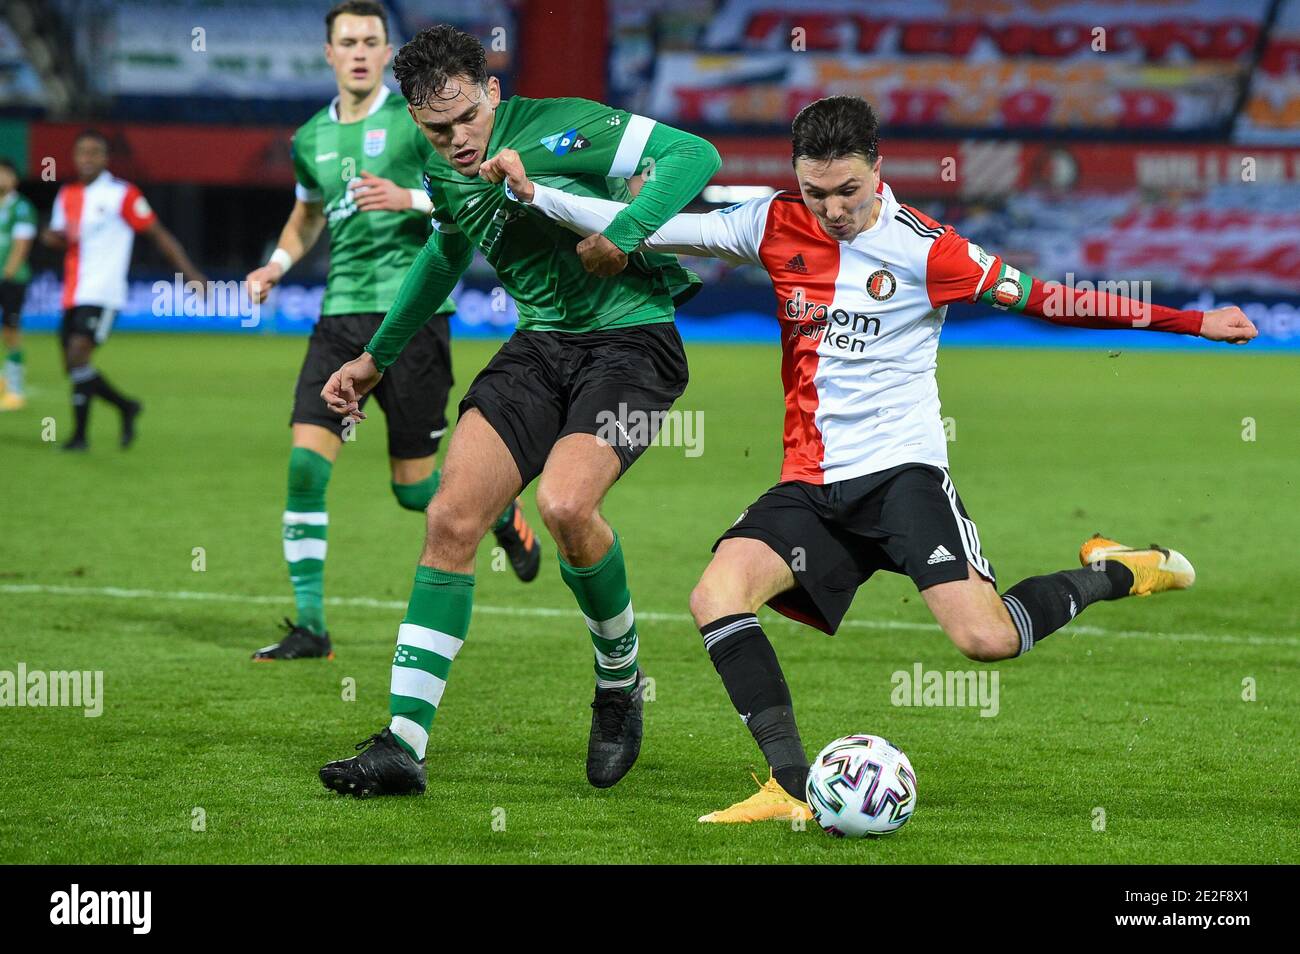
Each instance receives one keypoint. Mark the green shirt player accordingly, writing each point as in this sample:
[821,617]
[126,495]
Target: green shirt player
[590,353]
[17,233]
[358,167]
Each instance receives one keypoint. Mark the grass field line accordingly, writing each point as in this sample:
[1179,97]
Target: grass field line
[365,602]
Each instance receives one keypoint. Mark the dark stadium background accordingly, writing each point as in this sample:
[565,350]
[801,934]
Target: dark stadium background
[1122,164]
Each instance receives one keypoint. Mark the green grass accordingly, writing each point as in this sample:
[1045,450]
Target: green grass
[1145,720]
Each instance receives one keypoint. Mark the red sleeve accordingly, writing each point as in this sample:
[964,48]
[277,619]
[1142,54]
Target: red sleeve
[1091,307]
[957,270]
[136,209]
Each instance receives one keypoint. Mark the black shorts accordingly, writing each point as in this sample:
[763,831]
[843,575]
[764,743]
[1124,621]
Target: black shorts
[413,392]
[544,385]
[908,519]
[11,303]
[93,321]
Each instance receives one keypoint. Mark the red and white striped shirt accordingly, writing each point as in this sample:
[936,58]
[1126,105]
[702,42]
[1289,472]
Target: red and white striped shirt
[860,319]
[100,220]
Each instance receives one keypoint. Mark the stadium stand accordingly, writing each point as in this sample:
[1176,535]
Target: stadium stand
[1082,138]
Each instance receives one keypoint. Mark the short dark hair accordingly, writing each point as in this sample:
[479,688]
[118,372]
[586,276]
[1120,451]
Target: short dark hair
[358,8]
[7,163]
[426,64]
[835,127]
[92,134]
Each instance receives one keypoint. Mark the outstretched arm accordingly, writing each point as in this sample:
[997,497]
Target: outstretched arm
[172,250]
[675,165]
[960,271]
[712,235]
[1096,307]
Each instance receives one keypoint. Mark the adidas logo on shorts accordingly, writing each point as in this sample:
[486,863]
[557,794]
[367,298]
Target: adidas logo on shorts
[940,555]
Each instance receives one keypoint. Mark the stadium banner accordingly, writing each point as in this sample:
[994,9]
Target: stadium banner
[259,156]
[147,154]
[171,48]
[1272,110]
[731,311]
[1156,66]
[975,168]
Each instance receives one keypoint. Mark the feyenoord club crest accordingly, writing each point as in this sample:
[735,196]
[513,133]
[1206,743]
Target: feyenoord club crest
[882,284]
[375,141]
[1006,292]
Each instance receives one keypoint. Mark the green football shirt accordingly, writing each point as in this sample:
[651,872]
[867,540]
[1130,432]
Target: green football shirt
[579,146]
[17,221]
[370,252]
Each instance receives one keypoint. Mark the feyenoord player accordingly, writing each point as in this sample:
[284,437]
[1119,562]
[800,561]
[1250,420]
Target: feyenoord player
[95,220]
[862,283]
[17,232]
[358,166]
[583,345]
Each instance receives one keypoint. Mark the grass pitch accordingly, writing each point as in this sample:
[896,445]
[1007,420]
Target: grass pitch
[1137,710]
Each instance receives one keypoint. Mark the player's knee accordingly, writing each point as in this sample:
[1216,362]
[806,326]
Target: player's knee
[565,512]
[715,596]
[451,527]
[703,603]
[309,472]
[984,643]
[416,496]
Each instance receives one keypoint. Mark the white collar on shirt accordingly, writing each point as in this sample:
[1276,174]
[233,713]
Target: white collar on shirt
[374,107]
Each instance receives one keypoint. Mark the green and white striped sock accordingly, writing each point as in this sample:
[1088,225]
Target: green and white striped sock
[305,524]
[603,597]
[431,634]
[14,372]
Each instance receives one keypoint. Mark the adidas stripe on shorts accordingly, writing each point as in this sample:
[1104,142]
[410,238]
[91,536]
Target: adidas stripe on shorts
[908,519]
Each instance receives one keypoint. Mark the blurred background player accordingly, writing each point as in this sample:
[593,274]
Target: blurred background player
[95,222]
[17,232]
[362,154]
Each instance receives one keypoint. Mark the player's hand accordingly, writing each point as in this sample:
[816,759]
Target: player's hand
[374,194]
[600,256]
[1228,324]
[260,281]
[349,384]
[506,166]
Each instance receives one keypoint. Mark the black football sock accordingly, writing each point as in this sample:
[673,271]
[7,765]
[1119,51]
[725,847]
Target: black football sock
[1041,605]
[83,389]
[752,675]
[109,393]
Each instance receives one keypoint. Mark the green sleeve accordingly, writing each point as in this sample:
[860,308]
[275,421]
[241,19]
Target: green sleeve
[682,166]
[303,173]
[26,213]
[432,276]
[593,139]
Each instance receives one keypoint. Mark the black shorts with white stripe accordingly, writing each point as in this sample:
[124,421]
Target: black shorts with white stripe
[908,520]
[92,321]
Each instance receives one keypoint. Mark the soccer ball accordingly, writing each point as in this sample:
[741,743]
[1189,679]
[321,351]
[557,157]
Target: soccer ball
[861,785]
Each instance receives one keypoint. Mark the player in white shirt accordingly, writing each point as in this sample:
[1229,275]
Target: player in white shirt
[95,221]
[862,284]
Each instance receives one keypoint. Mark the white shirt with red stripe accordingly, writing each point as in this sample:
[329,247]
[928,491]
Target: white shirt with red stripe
[859,320]
[100,220]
